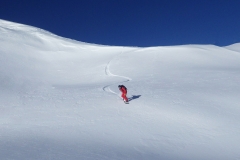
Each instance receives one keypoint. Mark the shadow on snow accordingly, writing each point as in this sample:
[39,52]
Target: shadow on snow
[134,97]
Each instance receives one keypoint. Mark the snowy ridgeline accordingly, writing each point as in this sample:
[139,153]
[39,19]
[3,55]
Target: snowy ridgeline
[59,99]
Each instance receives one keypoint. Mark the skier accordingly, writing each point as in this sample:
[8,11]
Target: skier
[123,89]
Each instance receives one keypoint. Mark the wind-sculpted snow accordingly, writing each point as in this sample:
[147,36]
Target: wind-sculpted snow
[59,99]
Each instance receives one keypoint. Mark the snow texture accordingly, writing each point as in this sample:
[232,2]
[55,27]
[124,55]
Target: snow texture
[60,101]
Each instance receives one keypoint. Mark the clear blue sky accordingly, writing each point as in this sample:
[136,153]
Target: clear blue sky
[131,22]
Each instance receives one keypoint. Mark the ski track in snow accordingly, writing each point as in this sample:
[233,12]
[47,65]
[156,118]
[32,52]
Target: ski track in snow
[109,73]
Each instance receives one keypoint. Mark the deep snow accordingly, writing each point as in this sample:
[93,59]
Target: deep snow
[59,99]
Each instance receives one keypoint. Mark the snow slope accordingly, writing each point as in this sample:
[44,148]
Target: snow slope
[59,99]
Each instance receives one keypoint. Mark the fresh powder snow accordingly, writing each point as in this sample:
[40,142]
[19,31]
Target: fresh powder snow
[60,100]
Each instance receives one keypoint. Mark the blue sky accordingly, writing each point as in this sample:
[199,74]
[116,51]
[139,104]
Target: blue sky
[132,22]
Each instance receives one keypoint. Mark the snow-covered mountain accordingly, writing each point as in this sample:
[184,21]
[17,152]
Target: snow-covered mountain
[59,99]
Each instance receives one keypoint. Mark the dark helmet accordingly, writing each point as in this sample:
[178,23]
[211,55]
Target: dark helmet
[119,86]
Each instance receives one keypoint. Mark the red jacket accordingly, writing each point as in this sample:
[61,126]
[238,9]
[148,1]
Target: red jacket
[123,90]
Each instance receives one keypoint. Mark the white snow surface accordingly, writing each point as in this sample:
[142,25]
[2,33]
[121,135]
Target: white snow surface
[60,101]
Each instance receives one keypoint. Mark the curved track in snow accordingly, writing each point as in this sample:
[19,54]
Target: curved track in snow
[108,73]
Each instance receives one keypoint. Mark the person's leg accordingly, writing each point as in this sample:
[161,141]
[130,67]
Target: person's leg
[124,95]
